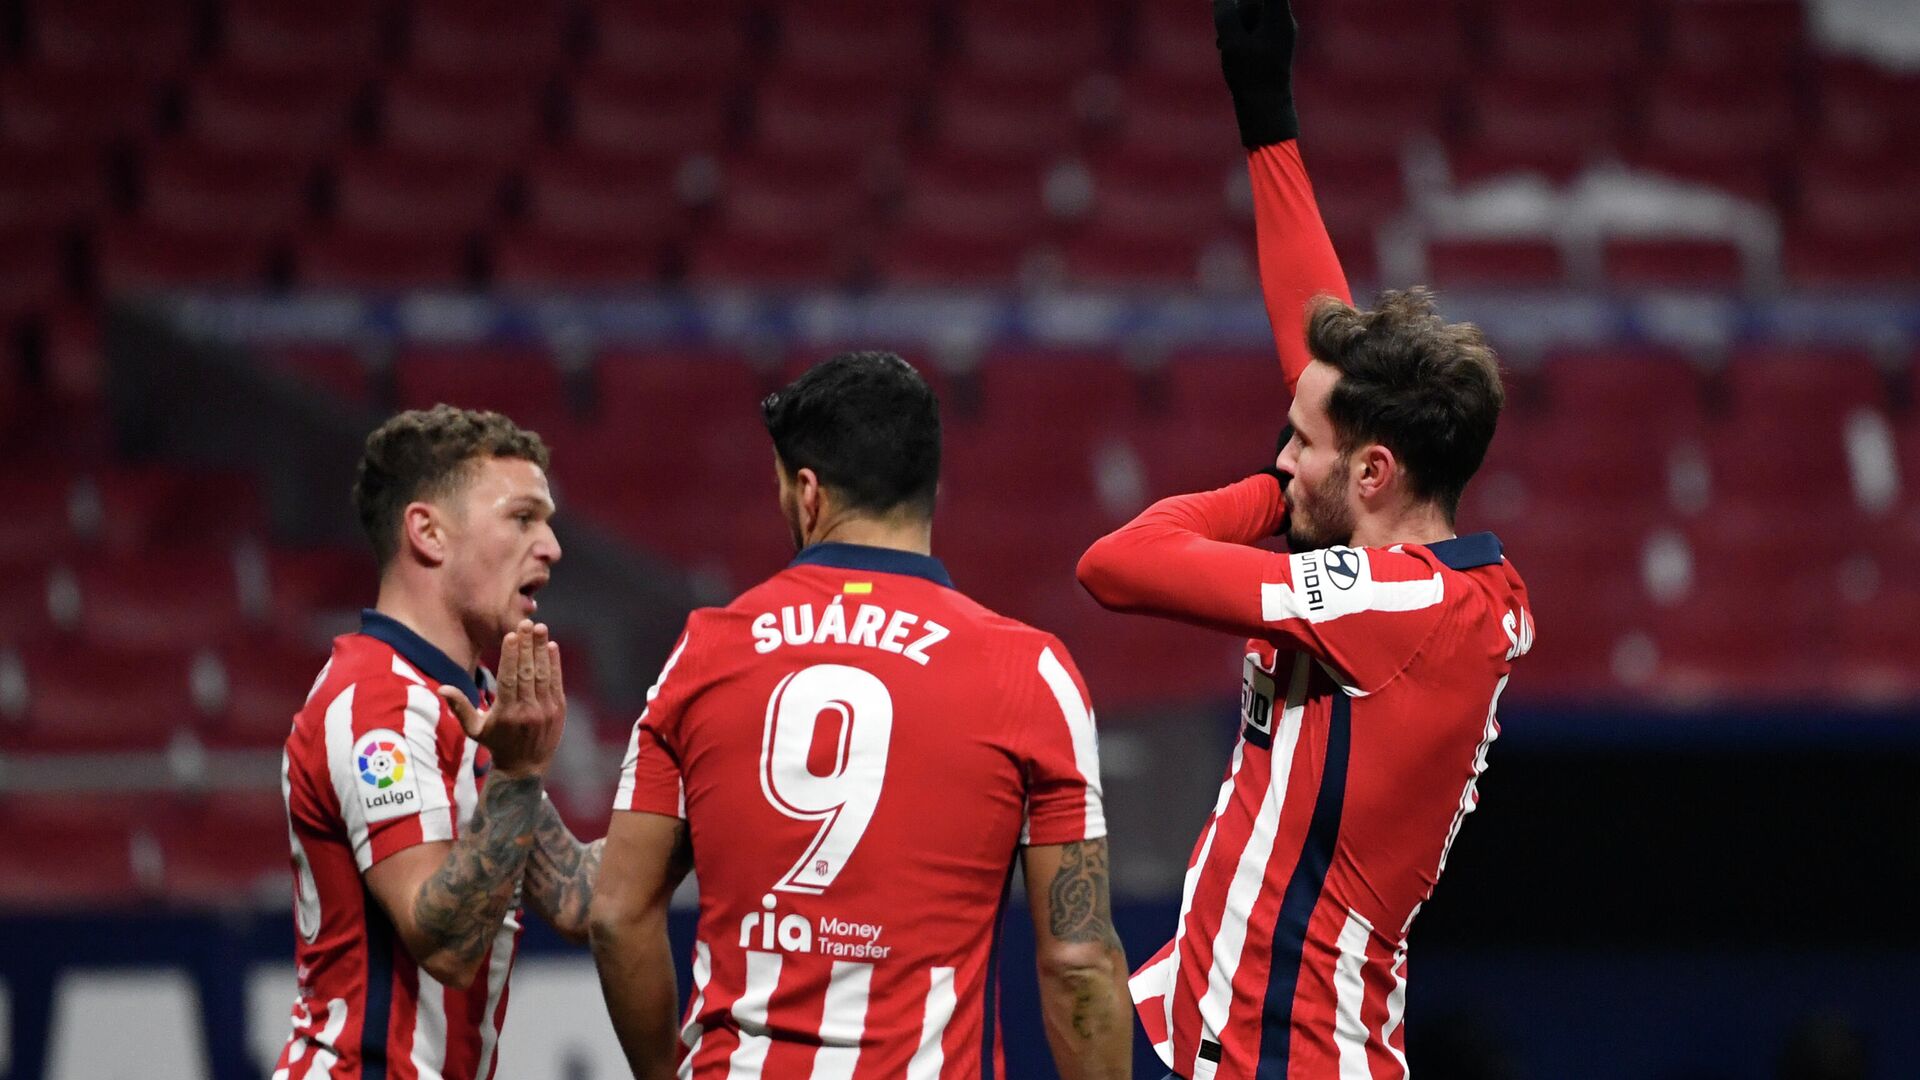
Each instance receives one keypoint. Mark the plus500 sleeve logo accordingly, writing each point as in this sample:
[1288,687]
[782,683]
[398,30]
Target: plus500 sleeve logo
[387,784]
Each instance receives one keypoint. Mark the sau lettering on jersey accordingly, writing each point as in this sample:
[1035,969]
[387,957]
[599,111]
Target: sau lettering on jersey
[859,751]
[377,763]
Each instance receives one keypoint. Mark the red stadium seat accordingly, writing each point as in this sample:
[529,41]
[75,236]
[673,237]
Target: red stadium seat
[1357,190]
[738,256]
[1226,388]
[199,190]
[294,114]
[1014,36]
[1553,118]
[1752,39]
[420,195]
[920,255]
[1864,196]
[310,582]
[539,258]
[1361,113]
[514,40]
[780,198]
[1477,262]
[101,699]
[160,599]
[850,118]
[34,276]
[1005,116]
[142,508]
[90,36]
[470,114]
[1817,259]
[1787,460]
[879,39]
[358,258]
[227,849]
[1559,40]
[621,113]
[266,682]
[964,221]
[77,109]
[585,192]
[1866,107]
[1125,260]
[1406,37]
[1710,118]
[520,381]
[45,875]
[1172,41]
[1661,388]
[1178,123]
[1809,382]
[1707,651]
[49,188]
[1671,263]
[1021,390]
[302,39]
[135,257]
[1152,197]
[673,41]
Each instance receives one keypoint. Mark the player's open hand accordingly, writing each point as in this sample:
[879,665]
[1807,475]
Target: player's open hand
[523,727]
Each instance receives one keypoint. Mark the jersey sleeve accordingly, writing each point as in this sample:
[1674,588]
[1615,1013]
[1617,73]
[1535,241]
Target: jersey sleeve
[390,758]
[1061,753]
[1364,611]
[650,777]
[1297,261]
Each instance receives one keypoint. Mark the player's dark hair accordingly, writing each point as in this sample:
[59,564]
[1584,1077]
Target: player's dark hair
[428,454]
[868,425]
[1427,389]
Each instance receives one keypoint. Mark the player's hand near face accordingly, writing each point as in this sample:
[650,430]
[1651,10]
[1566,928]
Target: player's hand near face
[523,728]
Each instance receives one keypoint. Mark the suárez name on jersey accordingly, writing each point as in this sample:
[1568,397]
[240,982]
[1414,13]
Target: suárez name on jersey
[870,625]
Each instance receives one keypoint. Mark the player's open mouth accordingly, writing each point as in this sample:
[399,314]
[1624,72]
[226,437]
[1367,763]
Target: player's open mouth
[529,604]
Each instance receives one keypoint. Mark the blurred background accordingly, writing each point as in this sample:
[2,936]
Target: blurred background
[234,234]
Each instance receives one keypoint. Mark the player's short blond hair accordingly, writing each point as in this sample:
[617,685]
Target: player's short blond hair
[429,454]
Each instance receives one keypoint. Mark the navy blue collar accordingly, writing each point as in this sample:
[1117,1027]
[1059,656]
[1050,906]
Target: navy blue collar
[419,652]
[878,559]
[1469,551]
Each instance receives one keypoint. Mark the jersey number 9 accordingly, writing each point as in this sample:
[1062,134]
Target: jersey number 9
[857,712]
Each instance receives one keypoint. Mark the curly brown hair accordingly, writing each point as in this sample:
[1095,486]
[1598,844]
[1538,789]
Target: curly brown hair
[1427,389]
[429,454]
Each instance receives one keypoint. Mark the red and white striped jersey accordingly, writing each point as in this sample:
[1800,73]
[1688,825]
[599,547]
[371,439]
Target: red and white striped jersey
[1368,697]
[377,763]
[859,752]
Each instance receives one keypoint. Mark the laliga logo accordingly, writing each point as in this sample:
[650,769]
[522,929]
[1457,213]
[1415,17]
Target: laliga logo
[382,764]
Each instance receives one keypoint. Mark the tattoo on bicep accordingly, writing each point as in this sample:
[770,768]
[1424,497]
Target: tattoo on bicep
[462,904]
[1078,904]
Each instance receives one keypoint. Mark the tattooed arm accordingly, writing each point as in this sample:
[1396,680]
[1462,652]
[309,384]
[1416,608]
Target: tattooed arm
[447,900]
[647,855]
[1083,970]
[560,875]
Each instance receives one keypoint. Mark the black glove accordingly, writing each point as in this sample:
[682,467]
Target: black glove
[1256,53]
[1273,470]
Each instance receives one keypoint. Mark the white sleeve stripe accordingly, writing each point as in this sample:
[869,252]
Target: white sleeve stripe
[405,671]
[1086,745]
[339,726]
[423,738]
[623,798]
[1327,584]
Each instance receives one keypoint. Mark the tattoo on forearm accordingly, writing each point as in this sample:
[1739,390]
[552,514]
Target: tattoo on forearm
[1079,906]
[561,872]
[463,903]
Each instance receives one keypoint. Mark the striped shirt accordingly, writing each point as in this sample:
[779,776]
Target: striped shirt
[377,763]
[859,752]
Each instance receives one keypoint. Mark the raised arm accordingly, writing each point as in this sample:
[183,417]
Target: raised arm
[1082,968]
[447,899]
[1297,261]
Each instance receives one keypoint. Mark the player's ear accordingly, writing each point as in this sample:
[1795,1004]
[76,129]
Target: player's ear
[1374,469]
[423,533]
[810,497]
